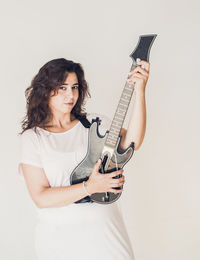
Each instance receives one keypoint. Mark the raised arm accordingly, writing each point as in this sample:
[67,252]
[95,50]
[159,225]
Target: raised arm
[137,123]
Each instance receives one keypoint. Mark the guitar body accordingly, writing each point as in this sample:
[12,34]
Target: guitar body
[95,147]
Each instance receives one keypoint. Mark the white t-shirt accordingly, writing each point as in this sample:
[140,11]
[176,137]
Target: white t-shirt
[75,231]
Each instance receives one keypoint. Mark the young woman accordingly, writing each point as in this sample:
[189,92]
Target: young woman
[53,143]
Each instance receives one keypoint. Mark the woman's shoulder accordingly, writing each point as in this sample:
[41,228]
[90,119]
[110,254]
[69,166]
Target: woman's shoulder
[30,134]
[27,133]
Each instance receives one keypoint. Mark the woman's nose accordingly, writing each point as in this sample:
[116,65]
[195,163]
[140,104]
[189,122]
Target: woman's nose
[69,92]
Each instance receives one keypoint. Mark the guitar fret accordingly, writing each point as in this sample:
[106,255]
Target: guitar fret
[117,123]
[121,111]
[110,142]
[122,107]
[115,131]
[114,127]
[113,137]
[127,92]
[123,102]
[129,86]
[125,97]
[118,115]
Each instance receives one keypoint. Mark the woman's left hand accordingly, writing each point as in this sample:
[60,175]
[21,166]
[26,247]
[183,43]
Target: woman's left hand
[139,75]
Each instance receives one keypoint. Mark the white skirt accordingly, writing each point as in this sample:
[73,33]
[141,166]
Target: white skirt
[85,231]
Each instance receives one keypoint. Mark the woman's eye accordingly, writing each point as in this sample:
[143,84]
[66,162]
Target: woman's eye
[75,87]
[63,88]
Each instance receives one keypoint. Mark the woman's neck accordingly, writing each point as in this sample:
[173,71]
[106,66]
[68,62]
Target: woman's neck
[62,123]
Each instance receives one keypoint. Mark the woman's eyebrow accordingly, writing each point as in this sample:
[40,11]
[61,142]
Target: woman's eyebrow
[73,84]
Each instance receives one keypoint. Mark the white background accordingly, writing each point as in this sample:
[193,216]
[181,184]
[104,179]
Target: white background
[161,201]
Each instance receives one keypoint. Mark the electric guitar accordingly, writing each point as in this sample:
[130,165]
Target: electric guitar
[107,147]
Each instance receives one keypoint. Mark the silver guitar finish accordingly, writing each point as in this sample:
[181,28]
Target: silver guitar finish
[95,148]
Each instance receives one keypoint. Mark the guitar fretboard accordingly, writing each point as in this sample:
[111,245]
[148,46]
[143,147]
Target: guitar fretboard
[120,115]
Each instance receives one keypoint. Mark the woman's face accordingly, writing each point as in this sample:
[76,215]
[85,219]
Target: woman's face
[67,95]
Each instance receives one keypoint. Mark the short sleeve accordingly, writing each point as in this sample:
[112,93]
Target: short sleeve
[105,121]
[29,150]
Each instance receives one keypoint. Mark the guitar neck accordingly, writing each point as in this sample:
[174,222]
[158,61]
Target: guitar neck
[120,114]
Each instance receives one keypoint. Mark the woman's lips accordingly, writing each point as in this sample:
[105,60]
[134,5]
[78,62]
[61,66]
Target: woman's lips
[70,104]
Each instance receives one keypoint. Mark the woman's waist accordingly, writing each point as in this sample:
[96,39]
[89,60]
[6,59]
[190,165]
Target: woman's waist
[76,212]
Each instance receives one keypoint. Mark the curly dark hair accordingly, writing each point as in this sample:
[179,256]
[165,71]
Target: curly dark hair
[49,78]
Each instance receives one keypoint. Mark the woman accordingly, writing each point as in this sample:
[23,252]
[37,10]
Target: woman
[53,142]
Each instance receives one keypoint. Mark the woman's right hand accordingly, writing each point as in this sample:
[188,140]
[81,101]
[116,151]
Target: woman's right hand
[99,182]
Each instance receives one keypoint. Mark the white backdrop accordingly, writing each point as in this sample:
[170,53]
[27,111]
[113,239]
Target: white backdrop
[161,201]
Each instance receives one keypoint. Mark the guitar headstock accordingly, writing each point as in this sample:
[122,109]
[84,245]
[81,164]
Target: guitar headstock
[143,47]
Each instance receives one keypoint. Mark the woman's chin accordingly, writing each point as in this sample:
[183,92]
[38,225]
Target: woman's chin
[67,110]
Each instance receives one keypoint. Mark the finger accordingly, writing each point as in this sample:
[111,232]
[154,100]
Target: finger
[138,69]
[117,184]
[146,64]
[115,173]
[115,191]
[114,181]
[97,165]
[136,74]
[134,80]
